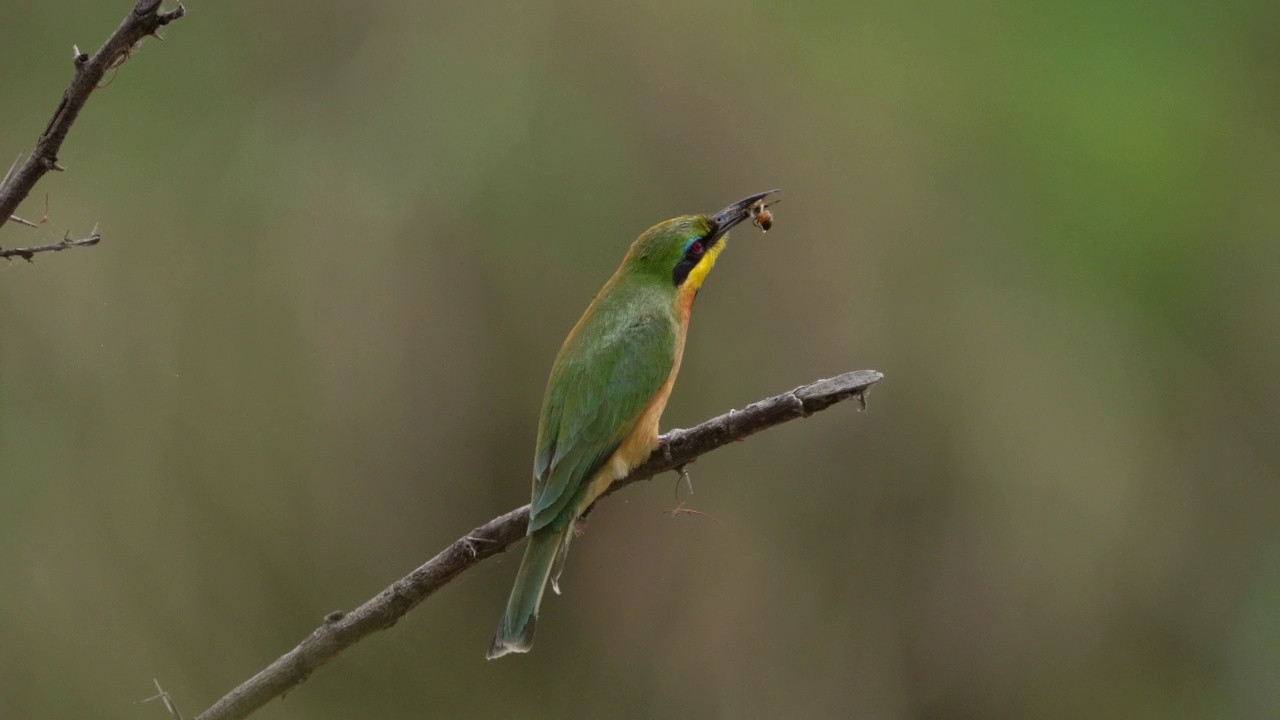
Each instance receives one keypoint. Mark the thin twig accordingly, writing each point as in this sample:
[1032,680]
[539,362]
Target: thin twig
[145,19]
[66,243]
[682,510]
[679,447]
[13,166]
[167,699]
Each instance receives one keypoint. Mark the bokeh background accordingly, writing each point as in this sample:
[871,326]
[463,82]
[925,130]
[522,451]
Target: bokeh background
[343,242]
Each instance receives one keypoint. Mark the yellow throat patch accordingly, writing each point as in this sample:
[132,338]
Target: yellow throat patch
[699,271]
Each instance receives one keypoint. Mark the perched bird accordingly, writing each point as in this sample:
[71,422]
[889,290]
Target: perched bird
[608,387]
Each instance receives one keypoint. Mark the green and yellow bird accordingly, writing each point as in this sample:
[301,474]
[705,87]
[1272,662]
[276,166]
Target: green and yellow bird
[608,388]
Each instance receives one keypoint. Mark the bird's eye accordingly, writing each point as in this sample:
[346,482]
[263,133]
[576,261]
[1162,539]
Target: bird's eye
[696,247]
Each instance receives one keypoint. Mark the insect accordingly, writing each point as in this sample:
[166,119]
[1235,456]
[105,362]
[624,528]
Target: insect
[761,217]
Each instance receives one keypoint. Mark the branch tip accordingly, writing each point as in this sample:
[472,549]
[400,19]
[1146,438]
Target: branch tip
[169,16]
[66,243]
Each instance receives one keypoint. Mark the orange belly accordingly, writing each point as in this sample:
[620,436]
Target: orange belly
[644,438]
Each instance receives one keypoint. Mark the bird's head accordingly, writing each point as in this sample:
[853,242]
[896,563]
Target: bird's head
[681,251]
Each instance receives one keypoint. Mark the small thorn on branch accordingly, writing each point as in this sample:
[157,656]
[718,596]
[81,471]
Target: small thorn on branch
[683,474]
[166,699]
[470,544]
[12,167]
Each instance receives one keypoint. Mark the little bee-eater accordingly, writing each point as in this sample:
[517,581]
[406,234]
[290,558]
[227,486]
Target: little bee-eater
[608,387]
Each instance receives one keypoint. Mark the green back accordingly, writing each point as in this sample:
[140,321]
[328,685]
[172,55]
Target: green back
[608,370]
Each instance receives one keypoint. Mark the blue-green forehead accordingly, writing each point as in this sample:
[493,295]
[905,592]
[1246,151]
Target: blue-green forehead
[689,228]
[672,238]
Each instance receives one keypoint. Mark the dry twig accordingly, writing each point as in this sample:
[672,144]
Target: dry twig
[145,19]
[66,243]
[165,698]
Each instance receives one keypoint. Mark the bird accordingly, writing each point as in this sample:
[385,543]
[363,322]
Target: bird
[608,387]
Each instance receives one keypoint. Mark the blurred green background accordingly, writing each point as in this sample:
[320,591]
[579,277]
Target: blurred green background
[342,243]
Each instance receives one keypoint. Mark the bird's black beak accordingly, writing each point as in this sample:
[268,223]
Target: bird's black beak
[724,220]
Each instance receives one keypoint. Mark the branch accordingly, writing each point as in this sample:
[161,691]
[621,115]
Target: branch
[145,19]
[678,448]
[65,243]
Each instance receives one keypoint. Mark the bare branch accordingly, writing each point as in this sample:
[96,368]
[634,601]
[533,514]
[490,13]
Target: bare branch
[66,243]
[145,19]
[679,447]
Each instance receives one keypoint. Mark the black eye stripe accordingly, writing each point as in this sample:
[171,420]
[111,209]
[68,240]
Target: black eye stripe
[682,270]
[691,258]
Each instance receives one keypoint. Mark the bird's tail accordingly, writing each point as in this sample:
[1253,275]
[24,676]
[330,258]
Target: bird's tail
[515,629]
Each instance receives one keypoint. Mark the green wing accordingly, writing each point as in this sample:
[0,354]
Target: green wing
[603,379]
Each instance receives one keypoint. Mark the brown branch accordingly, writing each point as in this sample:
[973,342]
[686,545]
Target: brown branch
[679,448]
[145,19]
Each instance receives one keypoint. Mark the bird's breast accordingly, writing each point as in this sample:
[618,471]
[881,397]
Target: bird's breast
[642,441]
